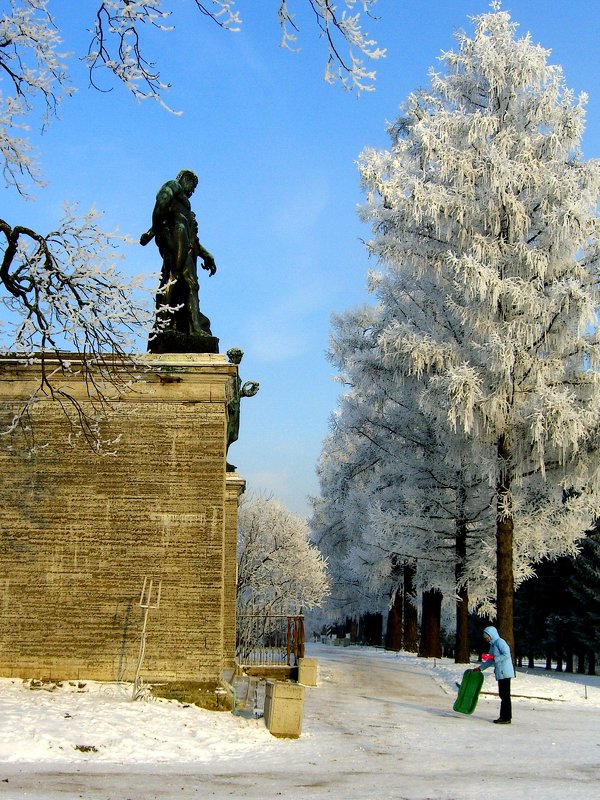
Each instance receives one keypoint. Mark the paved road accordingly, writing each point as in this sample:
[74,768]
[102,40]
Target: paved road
[375,728]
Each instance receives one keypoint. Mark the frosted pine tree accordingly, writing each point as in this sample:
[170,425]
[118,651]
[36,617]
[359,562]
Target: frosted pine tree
[396,481]
[341,515]
[484,199]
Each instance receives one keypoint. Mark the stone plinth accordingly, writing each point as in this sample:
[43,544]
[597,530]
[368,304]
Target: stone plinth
[284,709]
[307,671]
[81,531]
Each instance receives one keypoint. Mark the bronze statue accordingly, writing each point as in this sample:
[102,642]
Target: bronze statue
[248,389]
[175,230]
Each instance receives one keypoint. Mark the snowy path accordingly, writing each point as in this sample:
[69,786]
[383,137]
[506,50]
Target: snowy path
[378,726]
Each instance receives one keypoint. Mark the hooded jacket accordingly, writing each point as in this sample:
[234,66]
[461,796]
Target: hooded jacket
[499,649]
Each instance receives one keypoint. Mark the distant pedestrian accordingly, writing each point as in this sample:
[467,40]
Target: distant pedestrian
[503,670]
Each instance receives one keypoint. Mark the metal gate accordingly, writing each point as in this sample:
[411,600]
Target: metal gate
[267,637]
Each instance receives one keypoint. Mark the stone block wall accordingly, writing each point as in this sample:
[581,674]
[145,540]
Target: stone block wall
[80,532]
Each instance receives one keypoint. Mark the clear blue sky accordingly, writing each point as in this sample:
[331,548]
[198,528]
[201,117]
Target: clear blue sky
[275,150]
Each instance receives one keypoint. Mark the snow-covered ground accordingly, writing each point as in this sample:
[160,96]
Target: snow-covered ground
[378,725]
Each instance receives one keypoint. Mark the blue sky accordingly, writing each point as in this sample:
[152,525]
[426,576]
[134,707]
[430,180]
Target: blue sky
[275,149]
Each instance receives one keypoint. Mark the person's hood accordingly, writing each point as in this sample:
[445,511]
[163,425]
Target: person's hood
[492,633]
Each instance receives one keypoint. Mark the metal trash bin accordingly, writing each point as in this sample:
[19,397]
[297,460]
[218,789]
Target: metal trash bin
[284,709]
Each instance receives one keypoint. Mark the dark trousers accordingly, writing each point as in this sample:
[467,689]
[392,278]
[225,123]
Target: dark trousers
[505,702]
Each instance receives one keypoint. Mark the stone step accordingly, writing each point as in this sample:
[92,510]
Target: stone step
[250,694]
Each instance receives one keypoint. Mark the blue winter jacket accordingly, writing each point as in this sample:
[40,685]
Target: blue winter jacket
[503,666]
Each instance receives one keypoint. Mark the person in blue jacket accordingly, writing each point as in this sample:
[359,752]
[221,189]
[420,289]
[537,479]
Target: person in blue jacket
[503,670]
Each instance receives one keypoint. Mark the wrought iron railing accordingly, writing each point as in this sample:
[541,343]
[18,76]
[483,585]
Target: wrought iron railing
[266,637]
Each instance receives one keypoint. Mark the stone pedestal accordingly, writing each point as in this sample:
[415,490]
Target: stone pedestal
[307,671]
[80,532]
[284,709]
[174,342]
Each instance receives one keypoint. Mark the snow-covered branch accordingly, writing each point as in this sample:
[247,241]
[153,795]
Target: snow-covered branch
[277,564]
[36,80]
[118,39]
[36,75]
[64,293]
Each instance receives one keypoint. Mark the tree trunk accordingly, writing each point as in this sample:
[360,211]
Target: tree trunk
[504,548]
[411,627]
[569,655]
[462,652]
[393,633]
[430,644]
[569,660]
[371,627]
[559,648]
[591,663]
[463,648]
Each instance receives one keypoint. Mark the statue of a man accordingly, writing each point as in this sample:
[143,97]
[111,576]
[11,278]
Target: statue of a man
[175,230]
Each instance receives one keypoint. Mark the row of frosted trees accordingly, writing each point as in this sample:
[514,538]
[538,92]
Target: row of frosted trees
[465,447]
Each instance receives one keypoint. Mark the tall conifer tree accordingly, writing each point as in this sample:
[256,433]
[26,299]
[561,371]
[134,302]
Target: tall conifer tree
[484,205]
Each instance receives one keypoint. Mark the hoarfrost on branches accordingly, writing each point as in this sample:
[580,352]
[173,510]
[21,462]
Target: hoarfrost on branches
[393,488]
[277,564]
[36,72]
[280,572]
[117,39]
[36,75]
[65,293]
[62,288]
[486,236]
[348,69]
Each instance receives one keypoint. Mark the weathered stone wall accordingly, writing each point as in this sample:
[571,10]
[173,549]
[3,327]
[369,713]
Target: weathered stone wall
[80,532]
[235,487]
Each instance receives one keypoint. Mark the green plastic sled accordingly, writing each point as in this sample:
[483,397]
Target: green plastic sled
[468,692]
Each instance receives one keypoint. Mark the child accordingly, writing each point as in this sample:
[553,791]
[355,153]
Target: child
[503,670]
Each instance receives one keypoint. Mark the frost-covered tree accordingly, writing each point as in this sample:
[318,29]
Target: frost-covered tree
[280,572]
[356,483]
[277,563]
[412,503]
[485,199]
[62,288]
[366,575]
[361,578]
[64,292]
